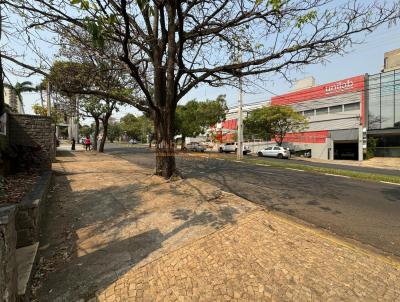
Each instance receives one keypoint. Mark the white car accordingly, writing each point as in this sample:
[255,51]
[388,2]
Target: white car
[133,141]
[278,152]
[232,147]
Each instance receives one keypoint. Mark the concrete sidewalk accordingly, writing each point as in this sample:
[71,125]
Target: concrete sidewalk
[117,233]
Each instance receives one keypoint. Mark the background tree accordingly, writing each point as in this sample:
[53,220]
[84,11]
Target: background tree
[275,122]
[114,131]
[171,47]
[92,107]
[109,106]
[195,117]
[130,126]
[67,76]
[85,130]
[56,116]
[136,127]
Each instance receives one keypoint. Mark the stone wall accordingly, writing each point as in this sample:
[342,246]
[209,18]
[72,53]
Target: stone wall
[29,213]
[8,266]
[34,136]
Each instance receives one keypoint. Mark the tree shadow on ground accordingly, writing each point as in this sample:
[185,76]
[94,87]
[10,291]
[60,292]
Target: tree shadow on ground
[92,237]
[392,194]
[64,153]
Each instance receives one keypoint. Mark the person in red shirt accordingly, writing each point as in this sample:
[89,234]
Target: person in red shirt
[87,143]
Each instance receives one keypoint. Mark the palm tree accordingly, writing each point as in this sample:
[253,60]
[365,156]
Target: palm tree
[20,88]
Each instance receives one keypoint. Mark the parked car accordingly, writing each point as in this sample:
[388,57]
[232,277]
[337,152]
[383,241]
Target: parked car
[133,141]
[195,147]
[82,140]
[277,151]
[232,147]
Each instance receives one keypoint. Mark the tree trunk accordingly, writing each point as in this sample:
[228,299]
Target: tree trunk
[150,139]
[165,152]
[1,71]
[104,137]
[96,133]
[1,87]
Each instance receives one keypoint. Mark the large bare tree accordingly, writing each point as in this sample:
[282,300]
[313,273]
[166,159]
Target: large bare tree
[169,47]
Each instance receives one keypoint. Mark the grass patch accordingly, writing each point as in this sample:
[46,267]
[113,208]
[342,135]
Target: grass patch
[353,174]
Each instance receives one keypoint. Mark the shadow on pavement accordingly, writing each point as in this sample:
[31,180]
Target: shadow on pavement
[99,227]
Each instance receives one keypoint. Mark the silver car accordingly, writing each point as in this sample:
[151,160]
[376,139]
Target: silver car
[195,147]
[277,151]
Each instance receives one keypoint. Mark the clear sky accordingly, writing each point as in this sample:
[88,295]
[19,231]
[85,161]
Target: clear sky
[361,59]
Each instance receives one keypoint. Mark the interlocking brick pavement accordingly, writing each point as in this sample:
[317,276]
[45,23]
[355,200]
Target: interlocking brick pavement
[261,258]
[117,233]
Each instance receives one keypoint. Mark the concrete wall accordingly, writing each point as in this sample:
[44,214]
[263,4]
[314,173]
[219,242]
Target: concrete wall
[8,266]
[35,132]
[30,211]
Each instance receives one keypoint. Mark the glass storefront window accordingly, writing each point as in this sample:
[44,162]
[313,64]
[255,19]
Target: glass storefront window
[387,100]
[397,98]
[374,111]
[384,100]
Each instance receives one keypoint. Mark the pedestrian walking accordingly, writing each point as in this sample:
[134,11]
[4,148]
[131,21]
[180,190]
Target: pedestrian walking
[87,143]
[73,144]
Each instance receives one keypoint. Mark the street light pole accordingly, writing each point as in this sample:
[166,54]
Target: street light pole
[239,152]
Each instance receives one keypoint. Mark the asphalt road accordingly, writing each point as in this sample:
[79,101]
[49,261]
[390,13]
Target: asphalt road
[368,212]
[391,172]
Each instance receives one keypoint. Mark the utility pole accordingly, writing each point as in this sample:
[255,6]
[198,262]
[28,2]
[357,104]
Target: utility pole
[239,152]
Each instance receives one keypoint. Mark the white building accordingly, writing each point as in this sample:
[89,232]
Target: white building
[11,99]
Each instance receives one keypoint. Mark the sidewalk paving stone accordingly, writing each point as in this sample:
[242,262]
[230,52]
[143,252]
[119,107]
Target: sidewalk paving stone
[115,232]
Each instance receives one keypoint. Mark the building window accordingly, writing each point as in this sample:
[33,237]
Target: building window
[351,107]
[308,113]
[335,109]
[321,111]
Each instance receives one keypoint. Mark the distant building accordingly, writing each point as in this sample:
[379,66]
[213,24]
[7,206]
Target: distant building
[383,115]
[11,99]
[335,112]
[342,115]
[226,131]
[391,60]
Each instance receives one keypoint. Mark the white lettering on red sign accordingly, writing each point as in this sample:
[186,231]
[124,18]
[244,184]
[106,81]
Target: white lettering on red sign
[339,86]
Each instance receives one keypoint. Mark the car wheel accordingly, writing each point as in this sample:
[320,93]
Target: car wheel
[280,156]
[259,154]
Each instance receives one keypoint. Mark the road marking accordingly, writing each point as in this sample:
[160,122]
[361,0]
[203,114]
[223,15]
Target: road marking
[344,176]
[219,159]
[390,183]
[294,169]
[204,156]
[263,165]
[237,161]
